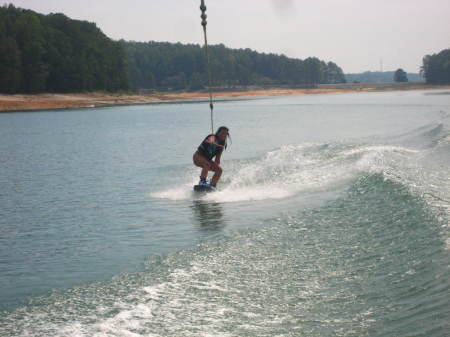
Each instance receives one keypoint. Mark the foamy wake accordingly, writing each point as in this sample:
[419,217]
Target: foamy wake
[177,304]
[290,170]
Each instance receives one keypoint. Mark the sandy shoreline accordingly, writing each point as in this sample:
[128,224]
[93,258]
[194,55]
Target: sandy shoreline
[85,100]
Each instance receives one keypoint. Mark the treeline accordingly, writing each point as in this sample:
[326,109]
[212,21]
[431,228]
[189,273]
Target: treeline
[166,66]
[436,67]
[52,53]
[380,77]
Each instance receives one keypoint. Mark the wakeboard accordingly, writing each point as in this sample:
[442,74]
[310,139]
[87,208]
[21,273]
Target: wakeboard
[204,188]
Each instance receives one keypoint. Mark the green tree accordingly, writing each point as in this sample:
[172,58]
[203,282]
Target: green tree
[313,72]
[333,73]
[196,82]
[10,65]
[400,76]
[436,67]
[30,38]
[175,82]
[54,53]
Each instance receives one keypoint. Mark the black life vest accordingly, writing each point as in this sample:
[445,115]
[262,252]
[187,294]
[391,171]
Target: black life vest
[208,150]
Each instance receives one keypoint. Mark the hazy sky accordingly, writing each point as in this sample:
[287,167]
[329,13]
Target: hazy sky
[356,34]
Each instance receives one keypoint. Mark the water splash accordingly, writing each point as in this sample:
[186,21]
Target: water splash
[292,169]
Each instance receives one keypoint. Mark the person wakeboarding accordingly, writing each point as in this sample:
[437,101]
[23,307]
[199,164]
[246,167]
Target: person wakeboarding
[212,146]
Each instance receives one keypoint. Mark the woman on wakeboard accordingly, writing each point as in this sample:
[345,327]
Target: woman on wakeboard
[212,146]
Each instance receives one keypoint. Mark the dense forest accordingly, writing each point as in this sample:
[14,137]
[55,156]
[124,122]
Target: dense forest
[177,66]
[436,67]
[52,53]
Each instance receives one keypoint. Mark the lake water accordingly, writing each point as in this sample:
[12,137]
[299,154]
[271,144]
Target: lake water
[332,219]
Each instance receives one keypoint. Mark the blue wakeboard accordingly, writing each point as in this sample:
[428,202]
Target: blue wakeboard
[204,188]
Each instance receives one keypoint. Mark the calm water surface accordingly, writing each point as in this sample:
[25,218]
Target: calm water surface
[332,219]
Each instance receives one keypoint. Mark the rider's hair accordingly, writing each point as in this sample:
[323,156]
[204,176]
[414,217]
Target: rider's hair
[228,134]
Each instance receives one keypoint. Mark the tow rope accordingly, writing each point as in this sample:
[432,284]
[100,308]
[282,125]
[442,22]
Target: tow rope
[208,65]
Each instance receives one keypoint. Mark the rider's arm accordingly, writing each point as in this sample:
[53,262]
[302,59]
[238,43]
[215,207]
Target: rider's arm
[217,159]
[212,140]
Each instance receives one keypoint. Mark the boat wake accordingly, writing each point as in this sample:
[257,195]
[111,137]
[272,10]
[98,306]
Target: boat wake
[291,170]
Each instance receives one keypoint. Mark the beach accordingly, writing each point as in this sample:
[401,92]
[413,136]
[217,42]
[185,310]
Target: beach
[44,101]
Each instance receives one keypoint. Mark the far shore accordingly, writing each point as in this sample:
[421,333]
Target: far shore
[20,102]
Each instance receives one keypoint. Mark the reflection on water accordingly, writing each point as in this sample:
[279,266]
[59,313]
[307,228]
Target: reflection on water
[209,215]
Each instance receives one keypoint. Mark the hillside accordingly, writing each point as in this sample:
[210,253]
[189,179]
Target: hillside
[165,66]
[53,53]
